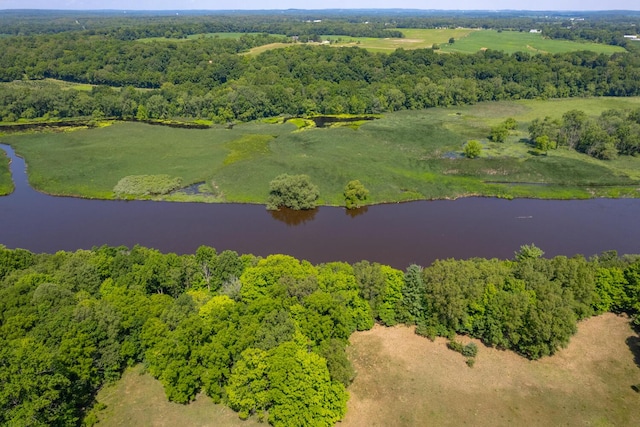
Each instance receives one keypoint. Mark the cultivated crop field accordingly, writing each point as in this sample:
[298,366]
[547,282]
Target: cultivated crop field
[407,155]
[406,380]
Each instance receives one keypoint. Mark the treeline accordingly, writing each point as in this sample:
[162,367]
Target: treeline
[614,133]
[206,79]
[137,25]
[265,336]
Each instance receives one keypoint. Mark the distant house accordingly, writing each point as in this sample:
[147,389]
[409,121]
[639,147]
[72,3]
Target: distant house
[630,37]
[534,31]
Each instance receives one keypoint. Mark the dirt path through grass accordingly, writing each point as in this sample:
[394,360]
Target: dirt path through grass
[407,380]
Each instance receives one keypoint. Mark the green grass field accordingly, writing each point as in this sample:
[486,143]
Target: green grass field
[470,41]
[45,83]
[6,184]
[414,39]
[139,400]
[513,41]
[466,41]
[409,155]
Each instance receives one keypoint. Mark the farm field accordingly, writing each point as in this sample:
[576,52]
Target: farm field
[471,41]
[512,41]
[467,40]
[414,39]
[407,380]
[410,155]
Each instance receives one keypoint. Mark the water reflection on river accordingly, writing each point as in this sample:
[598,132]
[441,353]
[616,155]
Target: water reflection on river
[396,234]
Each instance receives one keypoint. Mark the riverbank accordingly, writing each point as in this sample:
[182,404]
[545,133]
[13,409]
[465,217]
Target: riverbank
[6,182]
[403,156]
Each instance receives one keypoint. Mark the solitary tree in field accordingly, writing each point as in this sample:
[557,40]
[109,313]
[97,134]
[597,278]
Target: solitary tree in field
[472,149]
[292,191]
[499,133]
[355,194]
[543,143]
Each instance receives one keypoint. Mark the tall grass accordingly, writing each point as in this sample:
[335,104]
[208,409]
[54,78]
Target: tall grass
[6,184]
[402,156]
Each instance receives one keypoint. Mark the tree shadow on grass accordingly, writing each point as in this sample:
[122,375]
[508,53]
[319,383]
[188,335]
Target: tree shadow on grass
[633,342]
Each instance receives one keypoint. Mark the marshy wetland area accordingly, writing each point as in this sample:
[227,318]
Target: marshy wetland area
[400,156]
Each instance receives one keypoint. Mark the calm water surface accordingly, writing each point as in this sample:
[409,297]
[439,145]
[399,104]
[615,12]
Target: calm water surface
[396,234]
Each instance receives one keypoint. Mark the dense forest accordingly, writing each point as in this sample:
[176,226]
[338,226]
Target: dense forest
[265,336]
[209,78]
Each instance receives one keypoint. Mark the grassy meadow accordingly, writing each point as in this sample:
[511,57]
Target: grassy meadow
[402,156]
[6,184]
[514,41]
[467,40]
[49,83]
[414,39]
[471,41]
[406,380]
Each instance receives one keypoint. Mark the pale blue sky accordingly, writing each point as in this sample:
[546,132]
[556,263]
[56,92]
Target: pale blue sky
[322,4]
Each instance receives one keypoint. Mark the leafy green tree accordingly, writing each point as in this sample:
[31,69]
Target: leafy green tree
[355,194]
[292,191]
[248,388]
[529,252]
[543,143]
[412,306]
[499,133]
[511,124]
[301,390]
[472,149]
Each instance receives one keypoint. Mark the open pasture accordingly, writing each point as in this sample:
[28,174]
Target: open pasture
[514,41]
[414,39]
[406,380]
[408,155]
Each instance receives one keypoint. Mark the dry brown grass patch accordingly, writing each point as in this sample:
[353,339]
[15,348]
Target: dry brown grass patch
[407,380]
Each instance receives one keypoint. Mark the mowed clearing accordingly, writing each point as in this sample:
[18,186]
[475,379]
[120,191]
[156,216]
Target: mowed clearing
[406,380]
[515,41]
[414,38]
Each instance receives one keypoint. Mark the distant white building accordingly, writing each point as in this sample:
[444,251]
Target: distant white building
[534,31]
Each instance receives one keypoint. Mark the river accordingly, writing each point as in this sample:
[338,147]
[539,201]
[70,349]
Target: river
[394,234]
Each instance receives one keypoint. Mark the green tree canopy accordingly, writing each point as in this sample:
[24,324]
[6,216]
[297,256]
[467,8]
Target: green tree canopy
[355,194]
[292,191]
